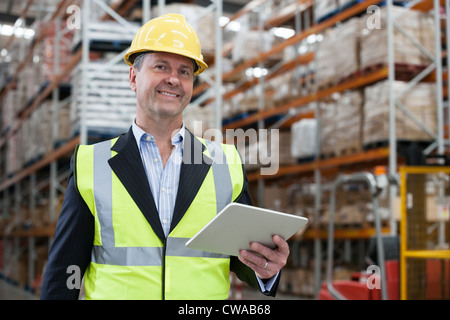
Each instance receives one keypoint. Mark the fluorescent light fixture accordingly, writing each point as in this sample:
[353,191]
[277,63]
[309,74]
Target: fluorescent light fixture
[223,21]
[256,72]
[314,38]
[18,22]
[6,30]
[29,33]
[230,25]
[19,32]
[283,32]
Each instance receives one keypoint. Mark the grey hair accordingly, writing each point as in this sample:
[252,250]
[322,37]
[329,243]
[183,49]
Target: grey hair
[137,63]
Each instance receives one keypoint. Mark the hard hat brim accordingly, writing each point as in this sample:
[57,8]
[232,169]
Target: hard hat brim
[132,54]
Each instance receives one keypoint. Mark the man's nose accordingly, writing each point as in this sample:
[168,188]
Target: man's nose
[173,78]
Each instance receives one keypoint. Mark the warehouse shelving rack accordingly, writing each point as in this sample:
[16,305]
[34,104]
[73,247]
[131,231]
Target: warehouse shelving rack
[23,186]
[26,178]
[384,155]
[310,168]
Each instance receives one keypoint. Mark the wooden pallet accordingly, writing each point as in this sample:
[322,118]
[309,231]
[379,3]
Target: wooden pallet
[403,72]
[349,150]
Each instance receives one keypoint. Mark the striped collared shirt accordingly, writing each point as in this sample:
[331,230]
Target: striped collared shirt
[163,181]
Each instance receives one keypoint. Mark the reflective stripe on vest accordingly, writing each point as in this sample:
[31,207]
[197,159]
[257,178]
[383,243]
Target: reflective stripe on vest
[108,253]
[221,174]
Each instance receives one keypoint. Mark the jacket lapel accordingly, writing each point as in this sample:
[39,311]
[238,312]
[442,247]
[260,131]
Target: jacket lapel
[128,167]
[193,171]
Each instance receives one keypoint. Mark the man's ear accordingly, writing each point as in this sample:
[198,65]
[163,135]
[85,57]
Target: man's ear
[132,77]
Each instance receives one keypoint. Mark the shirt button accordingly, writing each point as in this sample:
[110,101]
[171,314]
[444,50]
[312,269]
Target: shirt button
[163,189]
[148,138]
[164,221]
[155,160]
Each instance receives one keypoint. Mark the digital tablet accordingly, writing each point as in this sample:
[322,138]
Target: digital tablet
[237,225]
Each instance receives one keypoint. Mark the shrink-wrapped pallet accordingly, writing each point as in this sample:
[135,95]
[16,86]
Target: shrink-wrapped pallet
[341,124]
[248,45]
[9,109]
[325,72]
[291,84]
[374,43]
[420,102]
[325,8]
[107,32]
[328,138]
[45,49]
[346,54]
[111,104]
[199,119]
[337,55]
[348,122]
[283,87]
[12,158]
[303,138]
[251,100]
[268,149]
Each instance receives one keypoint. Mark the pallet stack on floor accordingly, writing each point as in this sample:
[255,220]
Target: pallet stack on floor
[348,80]
[40,132]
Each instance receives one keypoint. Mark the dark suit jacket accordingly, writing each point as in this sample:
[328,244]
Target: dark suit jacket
[74,232]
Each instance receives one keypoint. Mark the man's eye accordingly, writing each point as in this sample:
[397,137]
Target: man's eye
[185,72]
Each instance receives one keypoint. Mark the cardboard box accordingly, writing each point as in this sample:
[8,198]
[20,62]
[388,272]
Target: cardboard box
[421,102]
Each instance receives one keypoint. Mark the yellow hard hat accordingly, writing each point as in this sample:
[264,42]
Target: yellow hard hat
[167,33]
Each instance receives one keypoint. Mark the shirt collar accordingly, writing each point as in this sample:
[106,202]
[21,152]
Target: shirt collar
[140,134]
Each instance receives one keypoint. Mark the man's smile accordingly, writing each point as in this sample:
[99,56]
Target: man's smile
[169,94]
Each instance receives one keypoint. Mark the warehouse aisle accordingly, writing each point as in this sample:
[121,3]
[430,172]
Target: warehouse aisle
[306,90]
[11,292]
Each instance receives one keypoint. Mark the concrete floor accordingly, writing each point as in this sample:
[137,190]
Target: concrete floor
[250,294]
[12,292]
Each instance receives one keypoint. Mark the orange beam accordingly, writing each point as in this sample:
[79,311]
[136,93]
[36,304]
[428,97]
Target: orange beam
[303,59]
[353,84]
[353,233]
[427,5]
[288,12]
[52,156]
[365,156]
[26,113]
[298,37]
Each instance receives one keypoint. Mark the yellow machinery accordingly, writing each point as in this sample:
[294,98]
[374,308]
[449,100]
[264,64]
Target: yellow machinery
[424,232]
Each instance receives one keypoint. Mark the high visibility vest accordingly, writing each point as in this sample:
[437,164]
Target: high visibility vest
[129,261]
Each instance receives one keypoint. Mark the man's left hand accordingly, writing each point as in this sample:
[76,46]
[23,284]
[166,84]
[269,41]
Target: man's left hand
[266,262]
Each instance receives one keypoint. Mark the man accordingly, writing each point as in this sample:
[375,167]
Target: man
[132,202]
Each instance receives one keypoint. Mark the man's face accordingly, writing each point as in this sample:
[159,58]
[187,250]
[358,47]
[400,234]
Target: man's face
[163,85]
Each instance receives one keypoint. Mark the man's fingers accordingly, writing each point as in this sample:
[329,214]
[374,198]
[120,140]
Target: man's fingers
[257,264]
[265,252]
[266,262]
[282,245]
[254,259]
